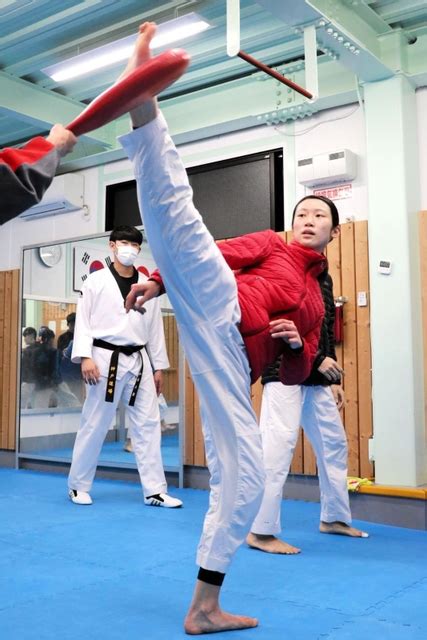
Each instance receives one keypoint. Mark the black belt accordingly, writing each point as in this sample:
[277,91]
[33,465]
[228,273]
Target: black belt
[117,349]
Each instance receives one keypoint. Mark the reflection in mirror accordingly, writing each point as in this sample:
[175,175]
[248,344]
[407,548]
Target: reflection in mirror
[52,388]
[48,377]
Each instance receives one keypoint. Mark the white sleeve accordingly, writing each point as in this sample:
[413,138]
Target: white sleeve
[156,345]
[83,339]
[153,139]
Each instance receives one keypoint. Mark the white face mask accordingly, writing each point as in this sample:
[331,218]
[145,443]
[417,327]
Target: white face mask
[126,255]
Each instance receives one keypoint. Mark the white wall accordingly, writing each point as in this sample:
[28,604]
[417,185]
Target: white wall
[19,233]
[331,131]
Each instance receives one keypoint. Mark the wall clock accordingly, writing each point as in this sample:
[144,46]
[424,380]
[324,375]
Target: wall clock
[50,256]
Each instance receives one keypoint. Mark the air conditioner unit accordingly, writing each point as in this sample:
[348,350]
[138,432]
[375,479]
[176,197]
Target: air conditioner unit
[327,168]
[66,193]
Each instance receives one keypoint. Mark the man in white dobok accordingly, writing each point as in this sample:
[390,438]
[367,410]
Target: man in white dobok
[122,358]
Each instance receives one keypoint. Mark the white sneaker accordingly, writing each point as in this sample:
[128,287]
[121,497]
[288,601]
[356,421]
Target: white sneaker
[79,497]
[163,500]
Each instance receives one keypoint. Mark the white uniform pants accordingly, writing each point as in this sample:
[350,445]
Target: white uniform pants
[203,293]
[283,410]
[144,430]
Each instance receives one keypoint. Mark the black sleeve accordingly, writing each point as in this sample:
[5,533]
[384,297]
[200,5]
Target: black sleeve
[318,360]
[330,319]
[25,174]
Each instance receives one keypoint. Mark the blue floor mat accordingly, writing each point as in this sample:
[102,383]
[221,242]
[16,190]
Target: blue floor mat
[119,569]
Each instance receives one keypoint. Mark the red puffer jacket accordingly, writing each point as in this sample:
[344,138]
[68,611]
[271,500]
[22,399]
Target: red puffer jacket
[277,280]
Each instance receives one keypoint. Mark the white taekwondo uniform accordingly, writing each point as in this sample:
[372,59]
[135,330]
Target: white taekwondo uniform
[101,315]
[203,293]
[283,409]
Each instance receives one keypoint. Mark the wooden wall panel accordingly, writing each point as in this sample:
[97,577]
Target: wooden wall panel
[54,311]
[256,397]
[309,459]
[6,408]
[297,465]
[13,367]
[333,253]
[3,426]
[6,400]
[189,418]
[348,284]
[9,337]
[364,374]
[171,375]
[199,447]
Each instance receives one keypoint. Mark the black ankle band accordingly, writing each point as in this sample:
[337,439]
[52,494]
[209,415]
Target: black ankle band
[211,577]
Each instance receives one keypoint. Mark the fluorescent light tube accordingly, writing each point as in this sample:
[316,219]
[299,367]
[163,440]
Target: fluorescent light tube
[120,50]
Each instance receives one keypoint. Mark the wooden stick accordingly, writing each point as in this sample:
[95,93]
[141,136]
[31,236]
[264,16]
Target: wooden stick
[274,74]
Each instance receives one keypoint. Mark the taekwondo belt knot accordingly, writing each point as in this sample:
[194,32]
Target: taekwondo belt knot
[117,349]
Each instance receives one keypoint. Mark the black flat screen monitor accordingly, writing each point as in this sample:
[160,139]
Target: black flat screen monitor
[234,197]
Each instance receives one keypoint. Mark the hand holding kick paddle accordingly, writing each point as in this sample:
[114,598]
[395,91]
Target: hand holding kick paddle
[140,85]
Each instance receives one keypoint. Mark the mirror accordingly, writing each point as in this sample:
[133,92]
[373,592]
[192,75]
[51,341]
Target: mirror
[52,391]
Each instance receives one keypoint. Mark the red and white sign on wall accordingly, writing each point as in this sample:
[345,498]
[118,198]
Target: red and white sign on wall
[338,192]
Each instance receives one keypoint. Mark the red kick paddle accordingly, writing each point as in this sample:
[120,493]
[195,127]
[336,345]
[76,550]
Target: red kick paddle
[141,84]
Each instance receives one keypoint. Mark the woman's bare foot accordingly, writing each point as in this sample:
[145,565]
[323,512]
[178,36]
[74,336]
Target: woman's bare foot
[141,52]
[342,529]
[147,111]
[205,615]
[271,544]
[198,622]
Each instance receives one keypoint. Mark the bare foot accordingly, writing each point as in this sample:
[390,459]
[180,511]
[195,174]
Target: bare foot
[141,52]
[205,615]
[271,544]
[198,622]
[342,529]
[147,111]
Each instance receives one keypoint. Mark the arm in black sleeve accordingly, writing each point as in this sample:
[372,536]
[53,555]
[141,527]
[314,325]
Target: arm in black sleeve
[318,360]
[25,174]
[330,317]
[326,346]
